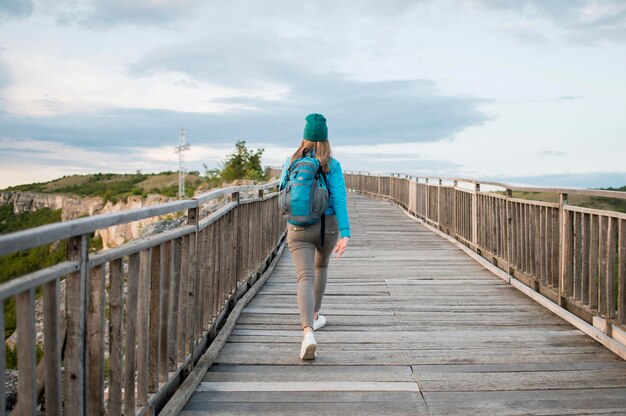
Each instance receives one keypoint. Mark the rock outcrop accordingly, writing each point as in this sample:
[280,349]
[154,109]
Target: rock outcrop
[75,207]
[119,234]
[72,207]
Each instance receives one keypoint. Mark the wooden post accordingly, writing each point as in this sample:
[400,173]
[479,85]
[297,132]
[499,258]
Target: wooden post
[75,311]
[26,381]
[166,273]
[3,361]
[565,249]
[594,252]
[455,208]
[584,264]
[621,253]
[143,325]
[475,215]
[508,225]
[604,265]
[611,242]
[116,312]
[427,199]
[52,346]
[95,343]
[174,301]
[235,197]
[192,279]
[439,203]
[156,274]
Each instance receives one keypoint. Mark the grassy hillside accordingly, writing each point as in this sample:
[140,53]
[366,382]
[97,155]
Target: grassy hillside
[114,187]
[609,204]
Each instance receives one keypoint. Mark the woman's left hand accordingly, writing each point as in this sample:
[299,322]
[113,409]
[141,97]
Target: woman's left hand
[341,246]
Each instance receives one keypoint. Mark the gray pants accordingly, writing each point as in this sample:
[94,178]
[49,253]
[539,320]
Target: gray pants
[311,261]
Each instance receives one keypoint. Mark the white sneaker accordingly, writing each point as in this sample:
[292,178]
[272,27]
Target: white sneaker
[319,322]
[309,345]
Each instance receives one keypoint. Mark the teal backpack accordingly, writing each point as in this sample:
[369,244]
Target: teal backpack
[304,197]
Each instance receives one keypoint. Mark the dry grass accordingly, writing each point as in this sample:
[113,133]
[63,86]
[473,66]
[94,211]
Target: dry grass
[159,181]
[73,180]
[607,204]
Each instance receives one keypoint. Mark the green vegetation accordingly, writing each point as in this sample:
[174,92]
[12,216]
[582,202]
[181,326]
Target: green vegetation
[116,187]
[10,222]
[612,204]
[243,164]
[28,261]
[608,204]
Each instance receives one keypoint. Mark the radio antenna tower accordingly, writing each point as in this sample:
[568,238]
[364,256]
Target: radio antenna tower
[181,149]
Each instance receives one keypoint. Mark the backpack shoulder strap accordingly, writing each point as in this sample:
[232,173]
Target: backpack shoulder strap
[325,181]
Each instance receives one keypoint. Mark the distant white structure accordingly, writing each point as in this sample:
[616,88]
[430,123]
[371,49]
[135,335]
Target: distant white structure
[182,170]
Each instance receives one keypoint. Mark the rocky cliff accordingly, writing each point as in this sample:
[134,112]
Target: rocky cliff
[73,207]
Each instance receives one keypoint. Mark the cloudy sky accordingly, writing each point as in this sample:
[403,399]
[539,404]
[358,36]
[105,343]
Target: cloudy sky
[526,91]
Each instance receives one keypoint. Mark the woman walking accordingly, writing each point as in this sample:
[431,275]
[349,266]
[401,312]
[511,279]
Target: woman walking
[312,245]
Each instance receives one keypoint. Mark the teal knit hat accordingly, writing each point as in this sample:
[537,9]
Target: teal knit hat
[315,129]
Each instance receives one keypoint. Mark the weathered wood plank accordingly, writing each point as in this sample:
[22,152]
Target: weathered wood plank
[26,382]
[143,325]
[584,253]
[544,402]
[130,345]
[622,272]
[166,273]
[289,386]
[172,326]
[604,266]
[594,277]
[181,326]
[116,312]
[511,381]
[52,347]
[209,398]
[298,373]
[611,239]
[154,319]
[74,370]
[3,362]
[95,346]
[304,408]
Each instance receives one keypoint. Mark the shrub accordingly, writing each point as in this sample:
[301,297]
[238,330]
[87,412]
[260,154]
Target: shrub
[243,164]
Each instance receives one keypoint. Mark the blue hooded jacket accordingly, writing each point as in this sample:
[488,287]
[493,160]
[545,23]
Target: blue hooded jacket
[337,204]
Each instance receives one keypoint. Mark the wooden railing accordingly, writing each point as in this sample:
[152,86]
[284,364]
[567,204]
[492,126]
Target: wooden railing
[572,255]
[157,301]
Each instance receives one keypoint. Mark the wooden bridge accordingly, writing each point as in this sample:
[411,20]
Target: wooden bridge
[449,300]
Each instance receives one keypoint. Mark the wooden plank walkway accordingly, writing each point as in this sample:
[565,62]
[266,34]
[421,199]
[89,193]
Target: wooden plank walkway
[415,327]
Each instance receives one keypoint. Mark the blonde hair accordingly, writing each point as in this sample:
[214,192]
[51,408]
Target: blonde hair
[321,149]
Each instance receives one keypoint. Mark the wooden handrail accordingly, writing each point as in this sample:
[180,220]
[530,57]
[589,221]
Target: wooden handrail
[167,295]
[432,180]
[44,234]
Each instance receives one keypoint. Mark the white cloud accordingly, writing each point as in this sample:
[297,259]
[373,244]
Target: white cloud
[129,74]
[26,161]
[50,83]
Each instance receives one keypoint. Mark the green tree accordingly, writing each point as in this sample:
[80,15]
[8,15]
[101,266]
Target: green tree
[212,175]
[243,164]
